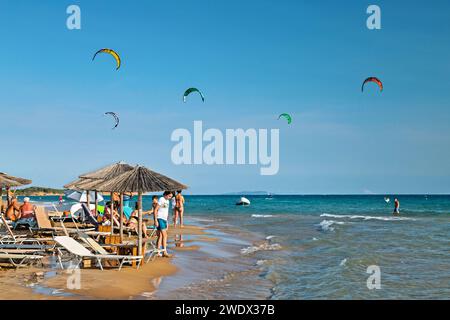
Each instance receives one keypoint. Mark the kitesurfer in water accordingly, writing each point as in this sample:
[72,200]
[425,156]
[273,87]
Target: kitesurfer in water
[396,207]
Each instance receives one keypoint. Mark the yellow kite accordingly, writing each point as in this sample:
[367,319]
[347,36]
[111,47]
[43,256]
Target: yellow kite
[111,52]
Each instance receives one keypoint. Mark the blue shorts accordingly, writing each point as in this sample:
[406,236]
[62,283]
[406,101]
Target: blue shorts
[30,222]
[162,224]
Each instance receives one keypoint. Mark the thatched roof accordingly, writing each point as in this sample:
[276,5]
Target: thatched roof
[74,185]
[140,179]
[11,181]
[89,184]
[108,172]
[86,181]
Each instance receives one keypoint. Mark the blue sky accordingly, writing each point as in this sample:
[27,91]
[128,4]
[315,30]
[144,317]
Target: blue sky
[253,60]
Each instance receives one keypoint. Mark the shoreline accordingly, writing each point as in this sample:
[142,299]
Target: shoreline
[51,283]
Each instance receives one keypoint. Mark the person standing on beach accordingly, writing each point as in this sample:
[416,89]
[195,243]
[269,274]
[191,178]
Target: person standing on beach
[396,207]
[160,219]
[179,209]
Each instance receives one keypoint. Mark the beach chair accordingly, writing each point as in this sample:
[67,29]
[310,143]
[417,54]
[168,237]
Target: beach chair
[99,249]
[94,245]
[57,216]
[87,216]
[12,238]
[26,246]
[20,259]
[45,225]
[153,252]
[21,251]
[79,252]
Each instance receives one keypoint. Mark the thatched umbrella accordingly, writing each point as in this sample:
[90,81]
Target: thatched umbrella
[88,181]
[7,181]
[74,185]
[140,180]
[108,172]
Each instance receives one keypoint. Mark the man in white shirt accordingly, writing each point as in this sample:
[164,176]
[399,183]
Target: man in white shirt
[161,217]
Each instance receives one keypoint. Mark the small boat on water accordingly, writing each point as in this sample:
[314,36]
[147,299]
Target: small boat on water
[243,202]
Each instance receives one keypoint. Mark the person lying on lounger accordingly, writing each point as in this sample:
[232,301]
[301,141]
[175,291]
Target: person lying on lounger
[133,222]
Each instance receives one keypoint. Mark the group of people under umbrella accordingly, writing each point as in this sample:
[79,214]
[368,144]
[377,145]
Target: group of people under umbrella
[122,181]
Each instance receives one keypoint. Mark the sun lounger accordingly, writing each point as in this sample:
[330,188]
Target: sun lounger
[99,249]
[45,225]
[58,215]
[12,238]
[87,216]
[94,245]
[19,260]
[20,251]
[26,246]
[78,251]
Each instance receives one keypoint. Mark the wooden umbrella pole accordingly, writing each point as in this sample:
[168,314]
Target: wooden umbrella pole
[140,224]
[7,197]
[88,200]
[112,213]
[121,218]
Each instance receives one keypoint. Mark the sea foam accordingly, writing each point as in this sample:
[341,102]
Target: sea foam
[337,216]
[262,247]
[327,225]
[262,216]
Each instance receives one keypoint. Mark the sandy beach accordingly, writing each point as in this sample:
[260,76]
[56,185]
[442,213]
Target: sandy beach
[51,283]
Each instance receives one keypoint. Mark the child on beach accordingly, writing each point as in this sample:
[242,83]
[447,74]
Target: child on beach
[160,219]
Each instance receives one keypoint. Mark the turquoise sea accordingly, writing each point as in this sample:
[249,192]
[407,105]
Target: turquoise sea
[315,247]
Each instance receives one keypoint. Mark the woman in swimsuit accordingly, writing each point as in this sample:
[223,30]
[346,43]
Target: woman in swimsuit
[179,209]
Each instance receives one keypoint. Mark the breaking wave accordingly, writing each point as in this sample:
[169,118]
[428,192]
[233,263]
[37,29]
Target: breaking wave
[360,217]
[262,247]
[262,216]
[327,225]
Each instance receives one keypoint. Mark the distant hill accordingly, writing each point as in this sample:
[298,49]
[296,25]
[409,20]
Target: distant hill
[39,191]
